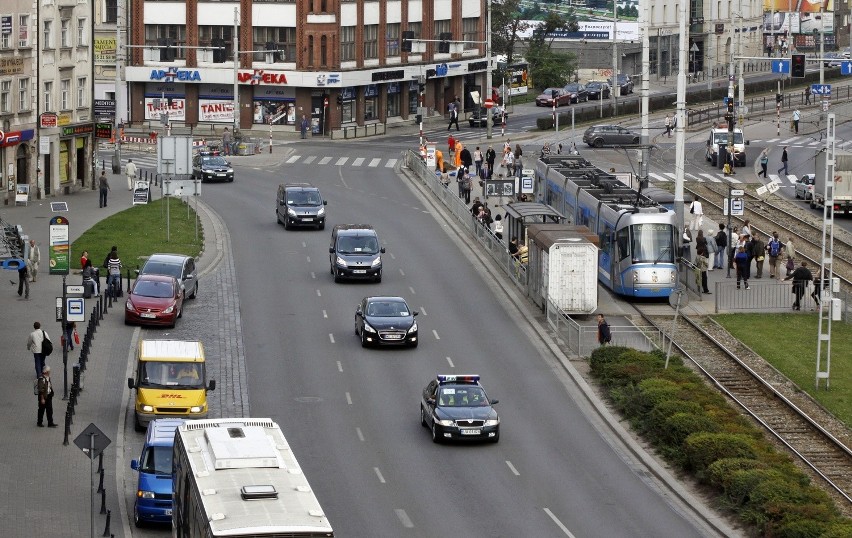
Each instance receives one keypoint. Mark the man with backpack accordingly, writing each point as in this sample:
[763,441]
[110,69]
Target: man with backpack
[773,248]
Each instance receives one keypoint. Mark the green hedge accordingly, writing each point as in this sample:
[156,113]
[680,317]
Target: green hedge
[694,427]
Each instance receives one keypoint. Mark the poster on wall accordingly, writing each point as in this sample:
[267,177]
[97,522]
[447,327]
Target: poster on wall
[154,107]
[63,162]
[799,6]
[215,110]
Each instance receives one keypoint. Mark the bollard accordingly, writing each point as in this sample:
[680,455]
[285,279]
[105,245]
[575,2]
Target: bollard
[67,427]
[76,377]
[103,501]
[106,529]
[101,481]
[100,307]
[128,280]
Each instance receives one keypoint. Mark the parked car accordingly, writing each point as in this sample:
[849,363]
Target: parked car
[154,300]
[625,84]
[805,186]
[598,90]
[609,135]
[576,92]
[177,265]
[480,115]
[546,97]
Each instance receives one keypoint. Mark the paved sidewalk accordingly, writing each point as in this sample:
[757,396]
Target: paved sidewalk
[45,489]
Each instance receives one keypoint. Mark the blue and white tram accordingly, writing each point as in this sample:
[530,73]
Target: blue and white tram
[638,237]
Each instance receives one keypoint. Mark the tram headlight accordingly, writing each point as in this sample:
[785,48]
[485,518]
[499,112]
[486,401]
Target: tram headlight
[674,276]
[635,277]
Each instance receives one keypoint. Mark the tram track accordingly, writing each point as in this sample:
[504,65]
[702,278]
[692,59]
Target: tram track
[766,217]
[796,423]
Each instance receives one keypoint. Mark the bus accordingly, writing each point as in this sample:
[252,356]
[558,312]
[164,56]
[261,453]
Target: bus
[238,477]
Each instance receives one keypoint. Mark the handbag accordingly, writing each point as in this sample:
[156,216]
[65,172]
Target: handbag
[760,258]
[46,345]
[790,265]
[76,337]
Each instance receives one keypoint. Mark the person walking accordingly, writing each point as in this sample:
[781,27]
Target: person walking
[114,275]
[746,229]
[509,162]
[33,259]
[130,172]
[796,116]
[70,330]
[23,281]
[35,344]
[758,252]
[451,145]
[477,161]
[697,212]
[721,244]
[801,278]
[519,161]
[701,242]
[103,186]
[303,127]
[454,115]
[45,399]
[465,183]
[773,249]
[604,333]
[784,159]
[702,262]
[764,162]
[790,251]
[490,158]
[226,141]
[466,158]
[741,260]
[669,125]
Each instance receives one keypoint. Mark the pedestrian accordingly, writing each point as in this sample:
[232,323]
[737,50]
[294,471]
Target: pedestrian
[685,244]
[457,153]
[513,247]
[801,278]
[819,285]
[746,229]
[226,141]
[477,161]
[466,184]
[498,227]
[83,258]
[712,249]
[70,331]
[701,243]
[452,108]
[509,162]
[796,116]
[784,158]
[697,212]
[90,275]
[741,260]
[440,165]
[33,259]
[114,275]
[490,158]
[735,244]
[466,158]
[758,252]
[103,185]
[130,172]
[35,344]
[519,162]
[23,281]
[45,399]
[764,162]
[702,262]
[476,207]
[669,125]
[807,96]
[303,127]
[451,145]
[604,333]
[773,249]
[721,244]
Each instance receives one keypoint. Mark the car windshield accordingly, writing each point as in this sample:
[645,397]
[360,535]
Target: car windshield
[357,244]
[154,288]
[652,243]
[548,92]
[593,85]
[303,198]
[171,374]
[214,161]
[388,309]
[462,396]
[572,88]
[156,460]
[162,268]
[722,138]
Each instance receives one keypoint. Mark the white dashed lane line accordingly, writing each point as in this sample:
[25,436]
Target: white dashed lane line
[450,361]
[339,366]
[412,290]
[435,334]
[558,523]
[360,434]
[401,272]
[379,475]
[403,518]
[325,314]
[331,337]
[348,398]
[512,468]
[319,293]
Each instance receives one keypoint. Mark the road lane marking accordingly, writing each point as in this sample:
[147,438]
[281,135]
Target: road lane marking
[375,162]
[293,159]
[339,366]
[325,314]
[341,161]
[324,160]
[412,290]
[450,361]
[789,140]
[309,160]
[358,162]
[657,177]
[379,474]
[319,293]
[348,398]
[391,163]
[331,337]
[423,311]
[401,272]
[360,434]
[392,256]
[512,468]
[313,275]
[710,177]
[309,259]
[403,518]
[434,332]
[304,245]
[558,523]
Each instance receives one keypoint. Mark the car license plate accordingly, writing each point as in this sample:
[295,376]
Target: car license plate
[360,271]
[147,315]
[308,219]
[221,175]
[470,432]
[393,337]
[167,512]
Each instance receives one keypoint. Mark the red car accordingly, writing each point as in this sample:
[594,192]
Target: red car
[154,300]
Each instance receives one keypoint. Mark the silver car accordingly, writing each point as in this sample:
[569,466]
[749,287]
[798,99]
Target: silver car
[609,135]
[805,186]
[180,266]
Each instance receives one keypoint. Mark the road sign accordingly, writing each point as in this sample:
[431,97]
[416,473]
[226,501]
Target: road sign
[488,103]
[781,66]
[772,187]
[821,89]
[74,290]
[92,441]
[737,192]
[846,68]
[825,105]
[75,309]
[731,78]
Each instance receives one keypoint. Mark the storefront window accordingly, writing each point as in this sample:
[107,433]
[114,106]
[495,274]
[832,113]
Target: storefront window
[274,112]
[412,102]
[393,100]
[347,112]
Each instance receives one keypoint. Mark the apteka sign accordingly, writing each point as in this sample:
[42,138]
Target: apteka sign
[174,74]
[259,76]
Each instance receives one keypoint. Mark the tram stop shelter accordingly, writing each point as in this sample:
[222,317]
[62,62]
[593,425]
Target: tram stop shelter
[519,215]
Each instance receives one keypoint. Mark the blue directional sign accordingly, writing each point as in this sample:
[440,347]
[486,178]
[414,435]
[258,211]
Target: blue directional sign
[821,89]
[846,68]
[781,66]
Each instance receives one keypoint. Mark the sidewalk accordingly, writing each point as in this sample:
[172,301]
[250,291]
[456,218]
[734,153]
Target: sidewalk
[46,485]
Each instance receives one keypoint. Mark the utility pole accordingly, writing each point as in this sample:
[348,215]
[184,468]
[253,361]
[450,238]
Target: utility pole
[741,102]
[616,89]
[644,24]
[488,83]
[120,107]
[680,118]
[236,67]
[826,268]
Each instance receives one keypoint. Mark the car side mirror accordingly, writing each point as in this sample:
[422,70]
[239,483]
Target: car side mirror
[359,313]
[130,382]
[415,313]
[331,250]
[282,202]
[212,385]
[495,402]
[324,202]
[382,250]
[136,271]
[134,464]
[746,142]
[430,401]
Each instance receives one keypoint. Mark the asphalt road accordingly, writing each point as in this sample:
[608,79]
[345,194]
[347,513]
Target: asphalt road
[352,414]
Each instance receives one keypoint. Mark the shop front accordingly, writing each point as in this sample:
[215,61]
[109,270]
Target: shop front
[75,143]
[275,105]
[165,98]
[216,103]
[15,159]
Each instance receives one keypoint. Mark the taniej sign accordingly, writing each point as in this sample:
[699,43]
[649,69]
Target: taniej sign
[60,247]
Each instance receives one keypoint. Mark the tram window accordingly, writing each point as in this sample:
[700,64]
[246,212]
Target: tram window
[622,239]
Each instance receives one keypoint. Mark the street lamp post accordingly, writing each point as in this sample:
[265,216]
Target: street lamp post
[489,122]
[236,67]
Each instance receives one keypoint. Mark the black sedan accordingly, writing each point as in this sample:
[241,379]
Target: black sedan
[576,93]
[625,84]
[385,321]
[479,118]
[598,90]
[209,167]
[456,408]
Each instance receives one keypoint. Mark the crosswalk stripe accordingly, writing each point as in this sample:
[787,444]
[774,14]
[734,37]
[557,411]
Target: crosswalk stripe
[790,140]
[391,163]
[671,175]
[341,161]
[733,180]
[657,177]
[324,160]
[774,178]
[358,162]
[792,178]
[293,159]
[691,176]
[771,140]
[711,177]
[815,143]
[310,159]
[375,162]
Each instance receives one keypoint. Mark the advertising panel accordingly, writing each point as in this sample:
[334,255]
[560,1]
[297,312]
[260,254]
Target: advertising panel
[154,107]
[60,247]
[215,110]
[105,50]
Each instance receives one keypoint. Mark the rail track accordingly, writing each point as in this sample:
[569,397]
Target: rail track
[766,217]
[818,441]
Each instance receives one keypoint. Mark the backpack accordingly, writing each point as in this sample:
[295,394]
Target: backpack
[774,248]
[46,345]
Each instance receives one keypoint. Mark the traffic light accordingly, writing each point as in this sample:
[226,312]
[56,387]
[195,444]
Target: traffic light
[444,44]
[797,69]
[779,98]
[339,98]
[218,50]
[421,88]
[730,117]
[418,118]
[407,36]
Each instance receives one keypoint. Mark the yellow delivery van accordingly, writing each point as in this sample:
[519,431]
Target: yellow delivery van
[170,381]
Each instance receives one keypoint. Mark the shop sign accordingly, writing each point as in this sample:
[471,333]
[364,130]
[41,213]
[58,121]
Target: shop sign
[6,24]
[329,79]
[348,93]
[441,70]
[104,108]
[214,110]
[173,74]
[15,137]
[47,120]
[103,130]
[63,119]
[76,130]
[105,50]
[383,76]
[11,66]
[393,87]
[371,90]
[260,76]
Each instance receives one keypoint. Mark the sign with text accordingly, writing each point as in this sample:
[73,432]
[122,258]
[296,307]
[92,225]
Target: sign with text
[105,50]
[47,120]
[154,107]
[216,110]
[60,247]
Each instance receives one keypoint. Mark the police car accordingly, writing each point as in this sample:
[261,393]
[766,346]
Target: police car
[210,166]
[456,408]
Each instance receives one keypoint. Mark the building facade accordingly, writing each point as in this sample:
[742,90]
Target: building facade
[337,62]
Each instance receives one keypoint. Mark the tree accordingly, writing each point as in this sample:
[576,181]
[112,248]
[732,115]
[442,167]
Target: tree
[547,67]
[506,22]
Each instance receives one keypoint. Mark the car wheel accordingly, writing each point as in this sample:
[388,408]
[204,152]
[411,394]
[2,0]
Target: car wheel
[336,276]
[435,438]
[321,226]
[423,417]
[635,139]
[599,142]
[379,278]
[277,216]
[230,180]
[136,424]
[180,312]
[364,342]
[813,205]
[194,291]
[797,195]
[136,520]
[413,344]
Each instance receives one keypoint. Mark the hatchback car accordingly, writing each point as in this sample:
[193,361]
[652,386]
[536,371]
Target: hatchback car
[625,84]
[576,93]
[385,321]
[804,187]
[598,90]
[355,253]
[154,300]
[609,135]
[456,408]
[209,167]
[479,118]
[300,204]
[177,265]
[547,96]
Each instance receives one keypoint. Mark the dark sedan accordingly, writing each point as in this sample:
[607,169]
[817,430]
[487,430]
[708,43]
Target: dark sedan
[385,321]
[455,407]
[479,118]
[576,93]
[154,300]
[625,84]
[547,96]
[598,90]
[209,167]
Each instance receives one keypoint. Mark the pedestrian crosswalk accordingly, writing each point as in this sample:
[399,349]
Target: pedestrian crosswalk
[799,141]
[355,162]
[663,177]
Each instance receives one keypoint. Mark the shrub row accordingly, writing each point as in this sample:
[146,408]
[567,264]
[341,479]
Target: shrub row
[694,428]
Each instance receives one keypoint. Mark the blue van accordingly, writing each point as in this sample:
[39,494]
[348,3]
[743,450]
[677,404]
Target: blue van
[154,490]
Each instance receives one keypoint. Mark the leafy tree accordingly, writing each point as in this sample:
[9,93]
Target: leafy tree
[507,21]
[547,67]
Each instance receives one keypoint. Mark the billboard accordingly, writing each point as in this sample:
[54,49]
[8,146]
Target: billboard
[798,6]
[105,50]
[156,106]
[216,110]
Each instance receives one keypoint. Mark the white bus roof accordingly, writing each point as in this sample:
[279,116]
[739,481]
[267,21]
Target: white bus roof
[227,455]
[174,350]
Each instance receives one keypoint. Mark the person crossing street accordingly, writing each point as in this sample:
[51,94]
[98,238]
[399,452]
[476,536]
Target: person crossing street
[130,171]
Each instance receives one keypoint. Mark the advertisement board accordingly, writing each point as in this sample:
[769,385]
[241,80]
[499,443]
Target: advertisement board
[216,110]
[60,247]
[105,50]
[154,107]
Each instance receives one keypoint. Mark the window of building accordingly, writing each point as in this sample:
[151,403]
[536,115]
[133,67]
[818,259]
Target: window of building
[417,28]
[48,96]
[47,35]
[283,39]
[441,27]
[310,50]
[81,92]
[177,34]
[392,39]
[65,33]
[65,94]
[413,101]
[323,51]
[82,41]
[111,12]
[470,33]
[393,99]
[23,31]
[23,94]
[6,40]
[5,96]
[371,41]
[347,43]
[206,35]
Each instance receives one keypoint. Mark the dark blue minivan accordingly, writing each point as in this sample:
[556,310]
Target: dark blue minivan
[154,490]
